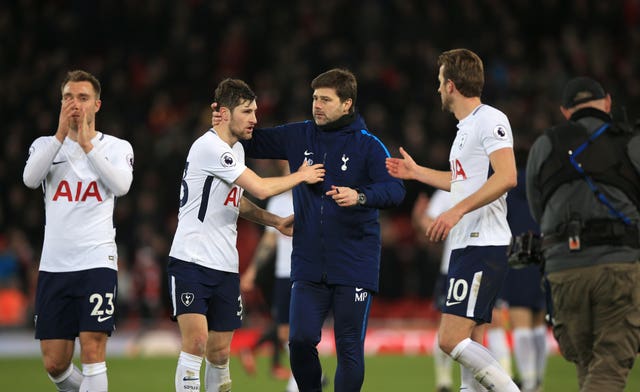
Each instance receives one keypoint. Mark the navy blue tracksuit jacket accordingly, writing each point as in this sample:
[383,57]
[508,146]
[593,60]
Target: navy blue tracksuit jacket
[332,244]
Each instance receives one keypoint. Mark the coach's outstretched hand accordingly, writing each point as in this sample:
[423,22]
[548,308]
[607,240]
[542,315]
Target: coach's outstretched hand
[216,117]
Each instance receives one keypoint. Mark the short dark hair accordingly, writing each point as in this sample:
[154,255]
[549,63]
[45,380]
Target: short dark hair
[464,68]
[231,93]
[82,76]
[342,80]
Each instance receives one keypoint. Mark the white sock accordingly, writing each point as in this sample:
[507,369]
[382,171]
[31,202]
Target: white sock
[443,364]
[188,372]
[217,377]
[484,367]
[292,386]
[499,347]
[69,381]
[94,377]
[468,383]
[540,344]
[524,351]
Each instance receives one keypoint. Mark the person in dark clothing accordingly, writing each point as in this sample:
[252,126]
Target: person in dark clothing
[583,185]
[335,261]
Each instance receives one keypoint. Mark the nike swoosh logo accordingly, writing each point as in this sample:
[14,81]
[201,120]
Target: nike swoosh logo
[307,153]
[190,379]
[57,163]
[101,319]
[453,303]
[359,289]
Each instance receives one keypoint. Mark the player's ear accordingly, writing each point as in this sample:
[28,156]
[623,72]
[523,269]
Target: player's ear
[451,86]
[98,105]
[566,112]
[226,113]
[607,103]
[346,105]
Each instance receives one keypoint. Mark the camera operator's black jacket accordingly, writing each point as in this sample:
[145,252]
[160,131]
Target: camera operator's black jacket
[558,194]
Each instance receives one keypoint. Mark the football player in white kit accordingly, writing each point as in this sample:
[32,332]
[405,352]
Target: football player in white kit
[482,171]
[81,172]
[203,274]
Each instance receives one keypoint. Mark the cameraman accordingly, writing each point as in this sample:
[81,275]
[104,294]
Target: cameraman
[583,187]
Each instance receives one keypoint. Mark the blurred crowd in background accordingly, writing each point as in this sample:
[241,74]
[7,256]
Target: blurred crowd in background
[160,61]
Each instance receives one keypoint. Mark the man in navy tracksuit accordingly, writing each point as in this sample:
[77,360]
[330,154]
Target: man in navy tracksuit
[336,241]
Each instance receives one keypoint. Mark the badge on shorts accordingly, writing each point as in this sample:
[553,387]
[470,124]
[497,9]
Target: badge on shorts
[187,298]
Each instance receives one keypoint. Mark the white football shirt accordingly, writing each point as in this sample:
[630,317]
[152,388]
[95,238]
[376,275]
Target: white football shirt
[479,134]
[209,204]
[282,205]
[440,202]
[79,199]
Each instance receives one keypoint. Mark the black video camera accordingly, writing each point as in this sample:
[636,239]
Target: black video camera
[525,249]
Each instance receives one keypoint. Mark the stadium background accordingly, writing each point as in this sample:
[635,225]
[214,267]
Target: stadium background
[159,62]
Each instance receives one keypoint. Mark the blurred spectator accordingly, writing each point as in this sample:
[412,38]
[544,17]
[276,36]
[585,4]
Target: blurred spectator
[12,298]
[147,278]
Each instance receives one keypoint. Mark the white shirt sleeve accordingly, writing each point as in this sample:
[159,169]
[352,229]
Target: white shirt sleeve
[115,172]
[41,154]
[495,132]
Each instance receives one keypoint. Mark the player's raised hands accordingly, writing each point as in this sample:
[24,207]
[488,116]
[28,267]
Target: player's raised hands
[404,168]
[64,120]
[312,173]
[216,117]
[84,133]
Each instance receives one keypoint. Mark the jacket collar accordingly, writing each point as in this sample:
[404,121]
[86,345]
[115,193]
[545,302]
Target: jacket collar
[590,112]
[342,123]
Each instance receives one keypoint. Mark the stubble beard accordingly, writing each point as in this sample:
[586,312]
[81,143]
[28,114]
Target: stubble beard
[239,133]
[319,121]
[447,104]
[74,124]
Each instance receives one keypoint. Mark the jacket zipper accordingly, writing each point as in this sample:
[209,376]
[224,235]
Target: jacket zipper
[322,239]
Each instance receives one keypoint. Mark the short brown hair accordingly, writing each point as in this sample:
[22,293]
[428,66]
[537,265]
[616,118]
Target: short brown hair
[231,93]
[82,76]
[341,80]
[464,68]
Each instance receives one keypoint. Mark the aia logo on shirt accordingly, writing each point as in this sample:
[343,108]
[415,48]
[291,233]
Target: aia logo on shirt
[81,192]
[457,171]
[233,197]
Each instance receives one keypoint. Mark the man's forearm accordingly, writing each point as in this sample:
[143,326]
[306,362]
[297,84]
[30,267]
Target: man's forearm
[490,191]
[436,178]
[250,211]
